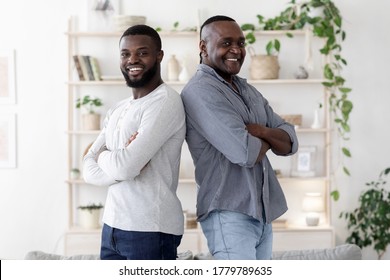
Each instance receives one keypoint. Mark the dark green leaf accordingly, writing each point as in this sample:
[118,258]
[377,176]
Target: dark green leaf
[277,45]
[248,26]
[335,195]
[346,171]
[346,151]
[250,38]
[345,90]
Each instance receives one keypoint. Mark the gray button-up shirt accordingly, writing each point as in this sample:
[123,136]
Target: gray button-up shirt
[223,151]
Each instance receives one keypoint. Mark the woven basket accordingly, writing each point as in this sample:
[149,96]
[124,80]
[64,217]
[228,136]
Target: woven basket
[263,66]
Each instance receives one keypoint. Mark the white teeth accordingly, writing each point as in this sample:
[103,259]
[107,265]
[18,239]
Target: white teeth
[232,59]
[134,69]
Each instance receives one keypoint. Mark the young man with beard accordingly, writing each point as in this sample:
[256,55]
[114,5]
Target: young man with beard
[137,154]
[230,129]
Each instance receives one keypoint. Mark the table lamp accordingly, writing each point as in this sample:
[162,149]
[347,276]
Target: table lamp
[313,204]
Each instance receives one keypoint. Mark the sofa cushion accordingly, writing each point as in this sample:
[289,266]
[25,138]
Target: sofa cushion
[341,252]
[39,255]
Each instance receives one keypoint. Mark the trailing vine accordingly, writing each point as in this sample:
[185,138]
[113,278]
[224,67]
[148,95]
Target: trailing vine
[327,25]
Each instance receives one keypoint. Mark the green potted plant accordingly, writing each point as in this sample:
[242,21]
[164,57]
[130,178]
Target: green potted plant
[324,20]
[74,173]
[90,119]
[89,215]
[369,223]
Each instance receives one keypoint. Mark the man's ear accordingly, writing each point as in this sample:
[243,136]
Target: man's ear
[202,48]
[160,55]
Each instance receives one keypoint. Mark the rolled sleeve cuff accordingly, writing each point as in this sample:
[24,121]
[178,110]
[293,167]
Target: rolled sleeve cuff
[254,146]
[289,129]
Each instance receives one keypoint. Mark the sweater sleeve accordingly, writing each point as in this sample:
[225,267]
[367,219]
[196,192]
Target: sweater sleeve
[92,173]
[161,118]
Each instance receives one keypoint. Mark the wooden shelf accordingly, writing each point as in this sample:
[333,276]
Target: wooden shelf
[112,83]
[287,81]
[279,32]
[255,82]
[312,130]
[119,34]
[83,132]
[285,236]
[301,179]
[173,33]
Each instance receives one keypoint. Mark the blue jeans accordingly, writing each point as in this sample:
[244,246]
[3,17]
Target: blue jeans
[236,236]
[135,245]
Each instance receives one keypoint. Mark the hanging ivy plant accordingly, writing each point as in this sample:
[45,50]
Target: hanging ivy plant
[327,25]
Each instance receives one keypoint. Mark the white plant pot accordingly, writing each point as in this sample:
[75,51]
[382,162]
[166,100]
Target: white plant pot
[74,174]
[89,219]
[91,121]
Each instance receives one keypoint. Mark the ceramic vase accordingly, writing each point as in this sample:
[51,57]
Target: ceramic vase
[173,68]
[316,121]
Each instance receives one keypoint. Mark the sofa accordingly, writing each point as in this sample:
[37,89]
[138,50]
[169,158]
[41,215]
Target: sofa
[340,252]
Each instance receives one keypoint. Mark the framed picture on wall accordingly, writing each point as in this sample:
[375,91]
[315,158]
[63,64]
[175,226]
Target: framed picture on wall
[303,162]
[7,77]
[7,141]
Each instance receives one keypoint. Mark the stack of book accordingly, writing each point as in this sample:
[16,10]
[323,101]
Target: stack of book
[87,68]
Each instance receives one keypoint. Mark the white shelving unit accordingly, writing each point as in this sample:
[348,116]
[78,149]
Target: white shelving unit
[294,236]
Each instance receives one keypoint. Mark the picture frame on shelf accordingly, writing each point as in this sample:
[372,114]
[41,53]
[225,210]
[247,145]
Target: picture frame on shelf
[8,141]
[7,77]
[303,162]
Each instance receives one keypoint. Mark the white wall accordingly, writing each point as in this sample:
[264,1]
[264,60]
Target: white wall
[33,197]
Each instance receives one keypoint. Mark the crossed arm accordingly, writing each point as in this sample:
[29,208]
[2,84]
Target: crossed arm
[275,139]
[104,147]
[223,126]
[92,172]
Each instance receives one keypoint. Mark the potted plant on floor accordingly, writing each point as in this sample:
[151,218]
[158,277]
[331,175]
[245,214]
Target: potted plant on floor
[370,221]
[89,215]
[90,119]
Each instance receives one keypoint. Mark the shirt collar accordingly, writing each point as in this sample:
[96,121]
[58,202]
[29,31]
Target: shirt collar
[209,70]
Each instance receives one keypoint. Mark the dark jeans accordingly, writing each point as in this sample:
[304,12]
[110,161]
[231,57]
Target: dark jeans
[135,245]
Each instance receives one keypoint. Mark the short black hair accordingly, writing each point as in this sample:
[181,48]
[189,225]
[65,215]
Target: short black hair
[142,29]
[214,19]
[211,20]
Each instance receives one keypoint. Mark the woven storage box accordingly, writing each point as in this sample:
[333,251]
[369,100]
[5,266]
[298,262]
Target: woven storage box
[263,66]
[122,22]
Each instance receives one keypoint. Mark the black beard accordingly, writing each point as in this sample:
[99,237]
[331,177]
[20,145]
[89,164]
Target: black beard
[145,79]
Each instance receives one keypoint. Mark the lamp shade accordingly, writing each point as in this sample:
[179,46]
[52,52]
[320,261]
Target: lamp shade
[313,202]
